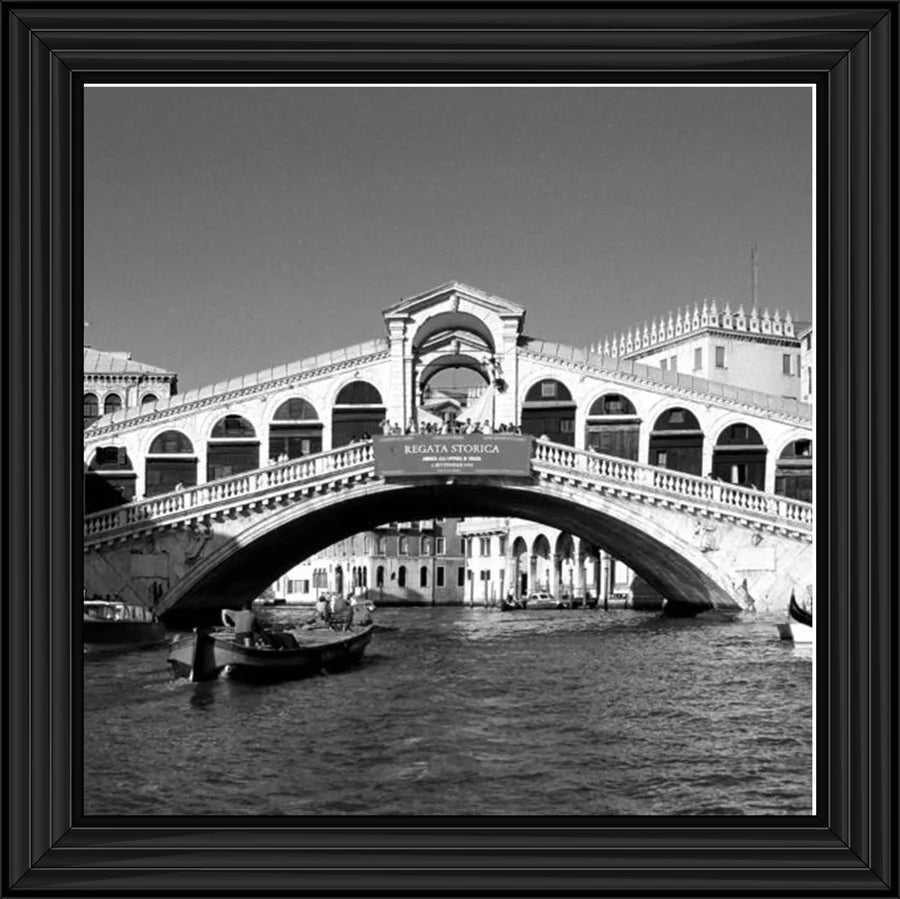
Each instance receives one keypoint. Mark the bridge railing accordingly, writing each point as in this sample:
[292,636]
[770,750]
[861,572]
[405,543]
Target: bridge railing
[668,481]
[259,480]
[361,455]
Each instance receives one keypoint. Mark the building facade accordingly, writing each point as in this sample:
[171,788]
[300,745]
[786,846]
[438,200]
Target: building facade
[399,563]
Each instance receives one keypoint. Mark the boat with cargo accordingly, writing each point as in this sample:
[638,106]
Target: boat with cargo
[244,649]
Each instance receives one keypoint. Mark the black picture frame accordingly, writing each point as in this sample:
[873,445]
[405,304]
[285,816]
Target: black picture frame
[849,51]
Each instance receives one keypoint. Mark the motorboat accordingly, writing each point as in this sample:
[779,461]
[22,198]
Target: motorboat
[113,625]
[245,650]
[799,627]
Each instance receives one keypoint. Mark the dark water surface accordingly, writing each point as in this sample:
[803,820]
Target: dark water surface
[469,711]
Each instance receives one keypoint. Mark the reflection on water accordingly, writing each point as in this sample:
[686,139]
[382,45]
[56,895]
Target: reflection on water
[469,711]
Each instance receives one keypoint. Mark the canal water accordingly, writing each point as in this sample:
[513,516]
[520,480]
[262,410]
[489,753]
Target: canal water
[458,711]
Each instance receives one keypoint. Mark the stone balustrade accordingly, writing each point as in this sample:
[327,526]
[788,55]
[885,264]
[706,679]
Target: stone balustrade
[267,483]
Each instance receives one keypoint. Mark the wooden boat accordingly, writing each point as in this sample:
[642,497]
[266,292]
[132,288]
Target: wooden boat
[246,651]
[111,625]
[799,627]
[511,604]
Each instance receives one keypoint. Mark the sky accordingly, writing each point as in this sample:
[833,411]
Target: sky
[229,229]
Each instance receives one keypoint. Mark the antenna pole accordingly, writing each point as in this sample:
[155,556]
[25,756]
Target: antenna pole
[754,273]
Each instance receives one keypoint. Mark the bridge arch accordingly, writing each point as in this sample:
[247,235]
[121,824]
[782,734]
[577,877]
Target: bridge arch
[238,569]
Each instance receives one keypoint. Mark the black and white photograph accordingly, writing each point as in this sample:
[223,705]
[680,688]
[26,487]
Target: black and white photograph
[449,449]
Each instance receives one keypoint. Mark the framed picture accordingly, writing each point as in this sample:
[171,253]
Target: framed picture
[846,845]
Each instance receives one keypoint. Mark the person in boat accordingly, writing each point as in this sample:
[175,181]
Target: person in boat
[337,611]
[322,609]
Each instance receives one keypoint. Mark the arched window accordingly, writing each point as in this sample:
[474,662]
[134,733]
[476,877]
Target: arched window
[548,410]
[381,546]
[676,441]
[379,577]
[112,403]
[426,546]
[423,576]
[403,546]
[357,414]
[739,456]
[613,427]
[170,463]
[401,576]
[91,408]
[295,430]
[794,471]
[232,448]
[110,479]
[148,398]
[232,427]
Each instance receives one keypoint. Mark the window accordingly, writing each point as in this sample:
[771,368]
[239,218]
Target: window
[664,364]
[676,417]
[809,341]
[439,576]
[381,547]
[698,358]
[502,545]
[403,548]
[426,546]
[797,366]
[809,380]
[423,576]
[112,403]
[440,545]
[91,408]
[148,398]
[379,577]
[803,449]
[662,458]
[484,546]
[673,363]
[401,576]
[485,575]
[567,426]
[720,357]
[548,390]
[461,577]
[786,364]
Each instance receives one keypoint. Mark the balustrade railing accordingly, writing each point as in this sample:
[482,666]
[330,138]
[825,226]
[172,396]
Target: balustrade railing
[259,481]
[296,472]
[673,482]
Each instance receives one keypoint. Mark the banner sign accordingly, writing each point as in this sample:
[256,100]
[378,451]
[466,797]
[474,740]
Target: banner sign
[460,454]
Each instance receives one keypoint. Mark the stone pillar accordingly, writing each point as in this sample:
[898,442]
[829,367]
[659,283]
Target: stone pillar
[604,576]
[396,405]
[706,466]
[557,575]
[582,577]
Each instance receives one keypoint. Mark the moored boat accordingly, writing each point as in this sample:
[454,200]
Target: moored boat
[112,625]
[799,627]
[247,651]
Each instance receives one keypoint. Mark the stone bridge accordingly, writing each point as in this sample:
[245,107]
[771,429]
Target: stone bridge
[696,540]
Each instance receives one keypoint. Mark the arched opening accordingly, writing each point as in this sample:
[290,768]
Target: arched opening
[232,448]
[549,411]
[739,457]
[676,442]
[454,388]
[110,479]
[423,576]
[613,427]
[91,409]
[112,403]
[520,560]
[338,579]
[357,414]
[401,576]
[171,463]
[148,398]
[379,577]
[295,430]
[794,471]
[564,564]
[541,564]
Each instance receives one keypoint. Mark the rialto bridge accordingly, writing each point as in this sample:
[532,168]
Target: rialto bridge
[222,489]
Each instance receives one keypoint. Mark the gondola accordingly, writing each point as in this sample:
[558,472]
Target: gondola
[799,627]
